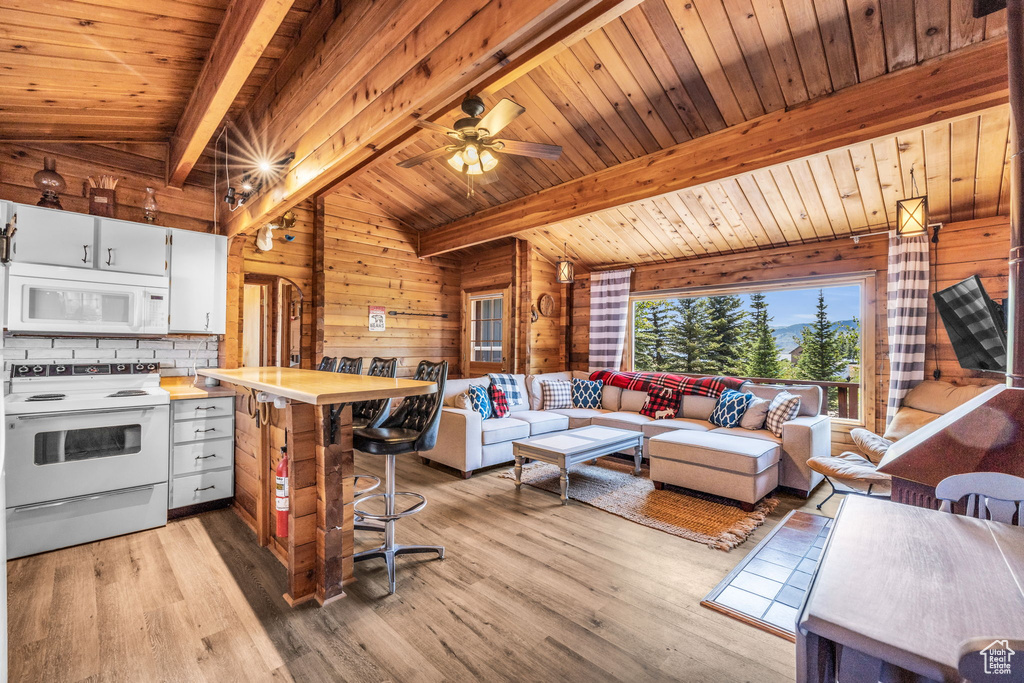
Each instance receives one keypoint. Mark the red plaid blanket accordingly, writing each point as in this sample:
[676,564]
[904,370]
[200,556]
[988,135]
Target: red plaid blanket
[642,381]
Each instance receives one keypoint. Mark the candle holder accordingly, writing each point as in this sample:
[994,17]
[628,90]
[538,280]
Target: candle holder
[50,183]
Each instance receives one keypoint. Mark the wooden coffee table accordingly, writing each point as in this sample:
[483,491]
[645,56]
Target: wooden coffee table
[574,446]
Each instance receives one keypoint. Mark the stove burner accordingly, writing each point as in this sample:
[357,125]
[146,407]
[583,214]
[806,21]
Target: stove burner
[46,397]
[124,393]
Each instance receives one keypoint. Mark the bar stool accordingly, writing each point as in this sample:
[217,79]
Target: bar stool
[349,366]
[327,364]
[413,428]
[371,414]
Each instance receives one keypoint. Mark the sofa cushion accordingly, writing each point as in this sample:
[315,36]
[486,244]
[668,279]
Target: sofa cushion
[543,421]
[784,407]
[748,433]
[907,421]
[497,430]
[662,426]
[698,407]
[871,444]
[586,393]
[720,451]
[730,409]
[622,420]
[810,395]
[580,417]
[632,401]
[756,413]
[533,386]
[454,387]
[852,470]
[941,397]
[611,397]
[499,402]
[480,401]
[662,403]
[514,387]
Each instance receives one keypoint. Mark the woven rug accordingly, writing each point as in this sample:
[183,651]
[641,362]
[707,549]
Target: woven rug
[610,485]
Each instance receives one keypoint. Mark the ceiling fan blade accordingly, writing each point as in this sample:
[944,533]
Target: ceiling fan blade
[437,128]
[426,156]
[500,116]
[530,149]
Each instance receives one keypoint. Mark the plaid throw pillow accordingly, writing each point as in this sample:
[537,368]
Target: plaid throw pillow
[730,408]
[784,408]
[498,401]
[586,393]
[480,401]
[662,403]
[509,385]
[555,394]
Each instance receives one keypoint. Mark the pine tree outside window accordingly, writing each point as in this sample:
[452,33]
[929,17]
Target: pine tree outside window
[795,332]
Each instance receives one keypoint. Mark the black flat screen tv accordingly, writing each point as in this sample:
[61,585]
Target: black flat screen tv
[976,325]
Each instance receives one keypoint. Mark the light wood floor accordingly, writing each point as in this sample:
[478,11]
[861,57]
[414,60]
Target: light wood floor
[529,591]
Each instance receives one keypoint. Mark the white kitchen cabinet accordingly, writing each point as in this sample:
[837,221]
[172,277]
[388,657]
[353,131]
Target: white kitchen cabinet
[202,451]
[199,267]
[53,237]
[131,247]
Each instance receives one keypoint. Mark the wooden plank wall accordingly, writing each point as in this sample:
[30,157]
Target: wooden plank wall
[966,248]
[137,166]
[543,340]
[293,260]
[370,260]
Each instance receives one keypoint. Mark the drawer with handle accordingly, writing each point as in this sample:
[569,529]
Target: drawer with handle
[203,429]
[200,456]
[202,407]
[200,488]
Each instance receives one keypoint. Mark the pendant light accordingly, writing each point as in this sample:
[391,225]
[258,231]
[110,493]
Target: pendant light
[912,213]
[566,273]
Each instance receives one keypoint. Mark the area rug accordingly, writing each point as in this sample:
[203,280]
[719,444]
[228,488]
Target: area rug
[609,485]
[767,588]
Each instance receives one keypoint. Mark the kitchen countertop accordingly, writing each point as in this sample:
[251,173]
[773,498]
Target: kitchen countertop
[183,388]
[317,387]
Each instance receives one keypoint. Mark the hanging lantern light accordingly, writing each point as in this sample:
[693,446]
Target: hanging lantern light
[566,273]
[912,213]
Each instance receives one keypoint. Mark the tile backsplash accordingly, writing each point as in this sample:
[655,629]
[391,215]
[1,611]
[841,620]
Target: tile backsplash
[177,355]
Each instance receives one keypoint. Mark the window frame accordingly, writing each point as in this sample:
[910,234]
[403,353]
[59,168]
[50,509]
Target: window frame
[473,300]
[868,296]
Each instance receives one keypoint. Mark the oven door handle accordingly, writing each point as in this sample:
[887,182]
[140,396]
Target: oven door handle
[79,413]
[78,499]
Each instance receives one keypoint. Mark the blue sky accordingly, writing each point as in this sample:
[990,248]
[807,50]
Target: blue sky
[789,307]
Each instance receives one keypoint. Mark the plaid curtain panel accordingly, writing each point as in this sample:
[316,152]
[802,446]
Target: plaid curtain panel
[498,401]
[662,403]
[784,407]
[907,317]
[556,394]
[691,386]
[509,385]
[609,313]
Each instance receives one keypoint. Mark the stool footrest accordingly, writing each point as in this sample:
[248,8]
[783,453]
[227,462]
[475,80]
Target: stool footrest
[363,491]
[384,517]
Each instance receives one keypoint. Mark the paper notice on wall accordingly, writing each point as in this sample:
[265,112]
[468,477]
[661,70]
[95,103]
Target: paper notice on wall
[377,319]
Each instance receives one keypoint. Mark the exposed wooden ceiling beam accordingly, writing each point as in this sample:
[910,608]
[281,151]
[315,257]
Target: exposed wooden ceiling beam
[947,87]
[247,29]
[380,111]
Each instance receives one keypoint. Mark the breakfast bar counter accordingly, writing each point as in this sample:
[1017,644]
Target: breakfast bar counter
[318,548]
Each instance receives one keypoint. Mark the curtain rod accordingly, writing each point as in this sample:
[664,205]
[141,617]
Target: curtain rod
[856,238]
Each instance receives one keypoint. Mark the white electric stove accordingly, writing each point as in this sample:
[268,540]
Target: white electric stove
[87,453]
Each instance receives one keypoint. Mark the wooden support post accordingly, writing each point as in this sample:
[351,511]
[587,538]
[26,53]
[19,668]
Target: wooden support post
[299,422]
[1015,52]
[335,542]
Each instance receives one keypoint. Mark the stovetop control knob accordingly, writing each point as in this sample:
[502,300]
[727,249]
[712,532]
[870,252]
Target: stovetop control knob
[120,368]
[23,368]
[151,367]
[60,368]
[140,366]
[37,369]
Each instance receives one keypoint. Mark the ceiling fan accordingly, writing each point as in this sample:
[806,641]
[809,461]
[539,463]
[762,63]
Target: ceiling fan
[473,147]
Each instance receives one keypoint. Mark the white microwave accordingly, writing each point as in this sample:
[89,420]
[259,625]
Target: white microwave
[44,298]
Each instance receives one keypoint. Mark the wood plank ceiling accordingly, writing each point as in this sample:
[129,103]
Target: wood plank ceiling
[113,70]
[671,70]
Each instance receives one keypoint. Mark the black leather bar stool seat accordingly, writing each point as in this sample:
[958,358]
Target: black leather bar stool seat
[412,429]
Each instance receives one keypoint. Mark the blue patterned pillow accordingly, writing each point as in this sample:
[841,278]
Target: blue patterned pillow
[730,408]
[480,400]
[586,393]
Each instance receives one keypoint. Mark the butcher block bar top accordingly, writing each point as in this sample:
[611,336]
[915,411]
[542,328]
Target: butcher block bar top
[314,428]
[319,388]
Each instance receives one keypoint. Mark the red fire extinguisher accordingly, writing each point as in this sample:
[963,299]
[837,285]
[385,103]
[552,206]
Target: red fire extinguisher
[281,497]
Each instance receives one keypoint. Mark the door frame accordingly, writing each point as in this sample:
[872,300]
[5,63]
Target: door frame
[473,368]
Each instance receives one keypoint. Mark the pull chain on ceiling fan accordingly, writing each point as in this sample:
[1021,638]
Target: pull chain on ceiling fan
[473,149]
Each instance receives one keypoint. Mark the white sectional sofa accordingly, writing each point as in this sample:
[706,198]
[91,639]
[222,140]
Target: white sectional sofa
[466,443]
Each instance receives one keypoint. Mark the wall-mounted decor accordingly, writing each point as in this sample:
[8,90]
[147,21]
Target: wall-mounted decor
[50,183]
[102,195]
[547,305]
[378,321]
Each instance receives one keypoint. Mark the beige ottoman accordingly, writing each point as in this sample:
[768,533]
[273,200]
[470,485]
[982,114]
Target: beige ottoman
[735,467]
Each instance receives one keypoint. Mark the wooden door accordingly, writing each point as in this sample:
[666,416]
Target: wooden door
[487,332]
[254,326]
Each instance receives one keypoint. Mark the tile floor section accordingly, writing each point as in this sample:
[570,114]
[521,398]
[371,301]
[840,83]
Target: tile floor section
[770,584]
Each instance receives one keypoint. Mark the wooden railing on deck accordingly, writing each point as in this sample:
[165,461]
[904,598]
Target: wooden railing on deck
[846,394]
